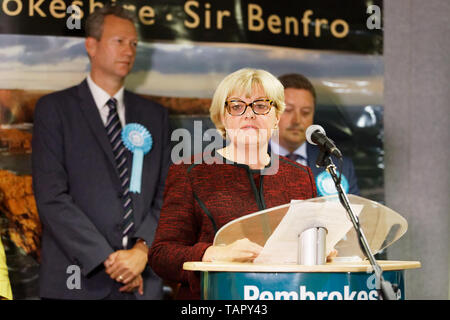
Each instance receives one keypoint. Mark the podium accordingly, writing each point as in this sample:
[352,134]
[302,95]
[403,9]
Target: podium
[348,277]
[334,281]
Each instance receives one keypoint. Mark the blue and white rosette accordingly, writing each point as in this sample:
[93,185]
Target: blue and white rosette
[139,141]
[325,184]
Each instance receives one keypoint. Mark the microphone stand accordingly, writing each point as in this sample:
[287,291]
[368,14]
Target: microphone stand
[386,291]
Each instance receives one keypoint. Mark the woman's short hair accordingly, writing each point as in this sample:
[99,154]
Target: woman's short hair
[94,23]
[243,82]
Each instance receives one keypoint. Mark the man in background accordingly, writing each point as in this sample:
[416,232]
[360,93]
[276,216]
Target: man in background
[96,233]
[300,98]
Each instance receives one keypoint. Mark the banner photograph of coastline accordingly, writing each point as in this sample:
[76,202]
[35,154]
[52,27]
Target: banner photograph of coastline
[180,67]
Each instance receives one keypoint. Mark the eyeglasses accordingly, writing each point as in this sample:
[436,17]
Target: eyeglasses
[239,107]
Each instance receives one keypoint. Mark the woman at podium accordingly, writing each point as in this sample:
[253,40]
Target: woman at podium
[210,190]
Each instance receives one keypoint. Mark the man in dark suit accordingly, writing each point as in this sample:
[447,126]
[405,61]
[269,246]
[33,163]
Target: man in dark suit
[300,98]
[96,232]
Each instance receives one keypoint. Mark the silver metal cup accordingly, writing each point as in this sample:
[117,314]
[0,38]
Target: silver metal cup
[312,246]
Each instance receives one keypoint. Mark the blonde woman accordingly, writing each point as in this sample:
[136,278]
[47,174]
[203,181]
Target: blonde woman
[233,182]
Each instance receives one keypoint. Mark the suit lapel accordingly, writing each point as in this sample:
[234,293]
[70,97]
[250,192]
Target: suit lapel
[131,110]
[312,153]
[132,116]
[90,111]
[135,114]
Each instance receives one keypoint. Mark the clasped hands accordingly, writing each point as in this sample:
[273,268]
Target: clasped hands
[242,250]
[126,266]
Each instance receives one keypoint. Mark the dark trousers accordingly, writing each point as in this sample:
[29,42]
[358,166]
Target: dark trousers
[115,294]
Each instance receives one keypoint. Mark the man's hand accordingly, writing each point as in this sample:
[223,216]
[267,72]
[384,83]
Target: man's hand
[136,283]
[125,266]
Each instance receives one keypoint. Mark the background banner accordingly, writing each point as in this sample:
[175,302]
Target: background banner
[187,48]
[308,24]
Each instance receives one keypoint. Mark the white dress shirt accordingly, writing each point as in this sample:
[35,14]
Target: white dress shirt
[101,97]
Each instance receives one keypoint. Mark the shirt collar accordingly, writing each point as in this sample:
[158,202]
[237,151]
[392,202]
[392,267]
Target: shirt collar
[301,150]
[101,96]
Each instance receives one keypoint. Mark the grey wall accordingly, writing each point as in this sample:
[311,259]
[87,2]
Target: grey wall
[416,120]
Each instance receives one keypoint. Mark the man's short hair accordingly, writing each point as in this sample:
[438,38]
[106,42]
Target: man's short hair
[94,23]
[297,81]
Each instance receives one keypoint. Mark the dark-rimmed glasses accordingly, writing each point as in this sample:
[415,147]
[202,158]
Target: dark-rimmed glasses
[236,107]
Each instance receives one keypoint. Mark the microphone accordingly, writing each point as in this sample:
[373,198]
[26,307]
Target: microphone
[316,135]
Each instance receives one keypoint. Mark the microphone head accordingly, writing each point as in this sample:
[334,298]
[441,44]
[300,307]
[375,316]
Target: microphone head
[311,129]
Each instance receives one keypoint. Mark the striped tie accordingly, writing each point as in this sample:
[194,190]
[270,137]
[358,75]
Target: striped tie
[113,129]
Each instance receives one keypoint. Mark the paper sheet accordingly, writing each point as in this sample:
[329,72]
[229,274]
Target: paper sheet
[282,245]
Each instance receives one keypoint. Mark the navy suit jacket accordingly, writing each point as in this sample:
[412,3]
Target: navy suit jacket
[78,193]
[348,170]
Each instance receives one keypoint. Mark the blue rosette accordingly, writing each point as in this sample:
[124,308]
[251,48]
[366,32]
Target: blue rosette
[325,184]
[138,140]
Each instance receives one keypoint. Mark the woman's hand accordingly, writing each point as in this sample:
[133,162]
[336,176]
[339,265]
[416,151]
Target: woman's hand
[333,254]
[242,250]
